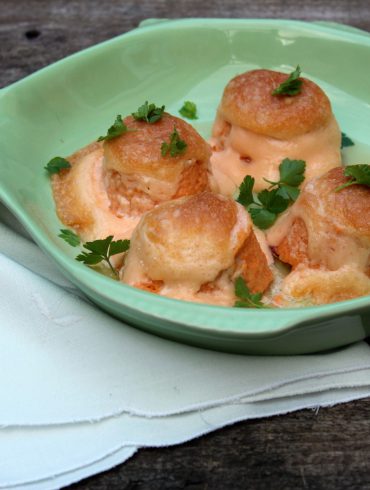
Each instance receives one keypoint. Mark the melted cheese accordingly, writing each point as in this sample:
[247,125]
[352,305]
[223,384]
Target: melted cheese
[320,149]
[305,286]
[157,189]
[136,272]
[262,241]
[276,233]
[330,244]
[90,182]
[222,295]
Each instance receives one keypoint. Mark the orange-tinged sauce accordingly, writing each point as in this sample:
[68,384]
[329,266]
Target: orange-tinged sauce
[247,153]
[90,181]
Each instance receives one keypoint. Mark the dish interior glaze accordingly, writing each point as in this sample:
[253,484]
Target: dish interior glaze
[69,104]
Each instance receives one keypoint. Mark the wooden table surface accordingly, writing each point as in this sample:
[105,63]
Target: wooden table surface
[325,450]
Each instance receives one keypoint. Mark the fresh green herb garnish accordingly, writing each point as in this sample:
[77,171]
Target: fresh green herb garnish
[102,250]
[275,201]
[346,141]
[277,197]
[246,298]
[70,237]
[246,191]
[189,110]
[175,147]
[117,128]
[149,113]
[56,164]
[292,85]
[291,176]
[359,174]
[262,217]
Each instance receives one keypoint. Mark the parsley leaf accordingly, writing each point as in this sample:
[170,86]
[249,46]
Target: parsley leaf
[273,201]
[245,191]
[117,128]
[289,192]
[70,237]
[175,147]
[359,174]
[189,110]
[102,250]
[277,198]
[56,164]
[119,246]
[291,86]
[346,141]
[246,298]
[291,176]
[262,218]
[292,172]
[148,113]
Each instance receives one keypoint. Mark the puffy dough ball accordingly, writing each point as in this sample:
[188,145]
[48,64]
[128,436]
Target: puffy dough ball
[139,175]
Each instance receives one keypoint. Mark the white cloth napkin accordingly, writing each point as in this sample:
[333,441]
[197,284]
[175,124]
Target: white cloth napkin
[73,377]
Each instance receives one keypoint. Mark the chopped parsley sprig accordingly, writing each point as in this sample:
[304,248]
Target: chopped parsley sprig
[149,113]
[346,141]
[292,85]
[175,147]
[102,250]
[189,110]
[56,164]
[276,199]
[358,174]
[70,237]
[291,176]
[246,298]
[117,128]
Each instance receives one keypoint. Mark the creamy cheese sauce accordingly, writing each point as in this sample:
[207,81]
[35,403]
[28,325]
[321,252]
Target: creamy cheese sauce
[222,295]
[158,190]
[243,152]
[329,243]
[90,181]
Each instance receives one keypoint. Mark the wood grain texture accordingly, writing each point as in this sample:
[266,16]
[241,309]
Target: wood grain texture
[325,450]
[65,27]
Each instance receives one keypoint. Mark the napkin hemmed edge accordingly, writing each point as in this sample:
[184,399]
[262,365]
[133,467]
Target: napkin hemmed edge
[210,428]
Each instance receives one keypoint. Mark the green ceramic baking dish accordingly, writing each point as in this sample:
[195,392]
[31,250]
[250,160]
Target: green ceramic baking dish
[65,106]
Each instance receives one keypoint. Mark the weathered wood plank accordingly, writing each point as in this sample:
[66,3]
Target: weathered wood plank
[65,27]
[326,450]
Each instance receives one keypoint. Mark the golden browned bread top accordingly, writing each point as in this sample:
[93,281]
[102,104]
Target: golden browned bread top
[208,214]
[67,185]
[248,102]
[139,151]
[348,207]
[190,240]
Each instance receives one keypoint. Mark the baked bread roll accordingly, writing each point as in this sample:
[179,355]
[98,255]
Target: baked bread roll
[326,232]
[111,184]
[192,248]
[138,176]
[255,130]
[81,198]
[307,287]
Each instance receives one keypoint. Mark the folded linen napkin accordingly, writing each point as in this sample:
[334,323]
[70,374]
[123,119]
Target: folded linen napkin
[72,376]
